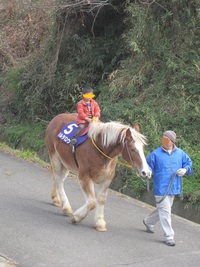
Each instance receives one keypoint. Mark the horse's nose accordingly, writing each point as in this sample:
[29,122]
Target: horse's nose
[146,174]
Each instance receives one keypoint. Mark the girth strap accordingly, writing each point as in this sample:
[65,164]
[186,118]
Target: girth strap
[74,155]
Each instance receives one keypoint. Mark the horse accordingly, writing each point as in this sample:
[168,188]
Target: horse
[95,163]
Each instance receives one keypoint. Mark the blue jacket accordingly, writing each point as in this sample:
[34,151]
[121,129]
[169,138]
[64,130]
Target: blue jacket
[164,165]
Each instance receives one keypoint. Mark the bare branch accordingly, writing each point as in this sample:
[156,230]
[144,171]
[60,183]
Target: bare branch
[77,5]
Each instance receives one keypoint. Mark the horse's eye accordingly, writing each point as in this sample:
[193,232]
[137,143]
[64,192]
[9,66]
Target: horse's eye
[133,150]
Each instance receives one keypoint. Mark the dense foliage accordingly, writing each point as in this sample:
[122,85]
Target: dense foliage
[141,57]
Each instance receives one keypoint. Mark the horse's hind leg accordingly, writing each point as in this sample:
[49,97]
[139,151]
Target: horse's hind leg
[58,194]
[55,196]
[55,193]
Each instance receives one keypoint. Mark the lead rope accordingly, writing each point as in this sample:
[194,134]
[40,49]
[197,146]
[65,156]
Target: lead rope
[168,188]
[181,194]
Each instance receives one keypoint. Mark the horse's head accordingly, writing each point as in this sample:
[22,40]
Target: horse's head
[126,140]
[133,152]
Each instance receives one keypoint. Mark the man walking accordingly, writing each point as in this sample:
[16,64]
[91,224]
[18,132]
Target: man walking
[168,164]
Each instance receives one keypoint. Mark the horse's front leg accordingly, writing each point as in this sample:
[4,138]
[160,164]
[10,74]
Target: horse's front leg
[87,186]
[101,201]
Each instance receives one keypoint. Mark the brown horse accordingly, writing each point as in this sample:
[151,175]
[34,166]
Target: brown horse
[97,158]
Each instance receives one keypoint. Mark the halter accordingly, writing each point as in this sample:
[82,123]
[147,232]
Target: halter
[118,162]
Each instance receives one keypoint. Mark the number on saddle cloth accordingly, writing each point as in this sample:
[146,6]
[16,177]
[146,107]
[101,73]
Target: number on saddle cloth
[68,131]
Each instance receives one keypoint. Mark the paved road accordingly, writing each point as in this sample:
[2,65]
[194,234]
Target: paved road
[34,233]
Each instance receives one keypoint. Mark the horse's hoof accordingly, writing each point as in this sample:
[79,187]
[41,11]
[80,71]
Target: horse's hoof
[101,228]
[73,220]
[77,220]
[68,211]
[57,203]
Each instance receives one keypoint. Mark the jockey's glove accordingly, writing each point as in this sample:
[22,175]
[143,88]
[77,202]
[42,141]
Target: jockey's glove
[181,171]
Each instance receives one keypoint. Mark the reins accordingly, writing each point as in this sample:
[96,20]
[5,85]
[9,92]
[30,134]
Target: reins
[118,162]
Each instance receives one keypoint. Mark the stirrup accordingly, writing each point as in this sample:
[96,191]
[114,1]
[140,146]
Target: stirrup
[73,141]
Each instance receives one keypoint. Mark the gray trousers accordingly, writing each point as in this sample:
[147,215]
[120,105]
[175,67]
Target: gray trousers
[79,129]
[162,213]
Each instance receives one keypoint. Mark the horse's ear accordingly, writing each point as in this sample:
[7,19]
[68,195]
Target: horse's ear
[128,134]
[136,126]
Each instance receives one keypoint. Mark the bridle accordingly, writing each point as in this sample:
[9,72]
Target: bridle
[118,162]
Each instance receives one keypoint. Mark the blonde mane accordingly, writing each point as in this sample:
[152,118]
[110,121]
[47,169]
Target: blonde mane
[110,132]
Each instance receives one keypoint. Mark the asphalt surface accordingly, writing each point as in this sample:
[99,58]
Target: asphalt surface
[34,233]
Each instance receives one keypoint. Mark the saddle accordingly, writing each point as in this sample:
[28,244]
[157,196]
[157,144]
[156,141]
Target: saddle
[68,131]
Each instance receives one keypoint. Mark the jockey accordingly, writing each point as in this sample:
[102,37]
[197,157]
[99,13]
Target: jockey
[88,110]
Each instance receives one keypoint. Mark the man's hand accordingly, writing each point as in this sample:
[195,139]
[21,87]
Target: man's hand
[181,171]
